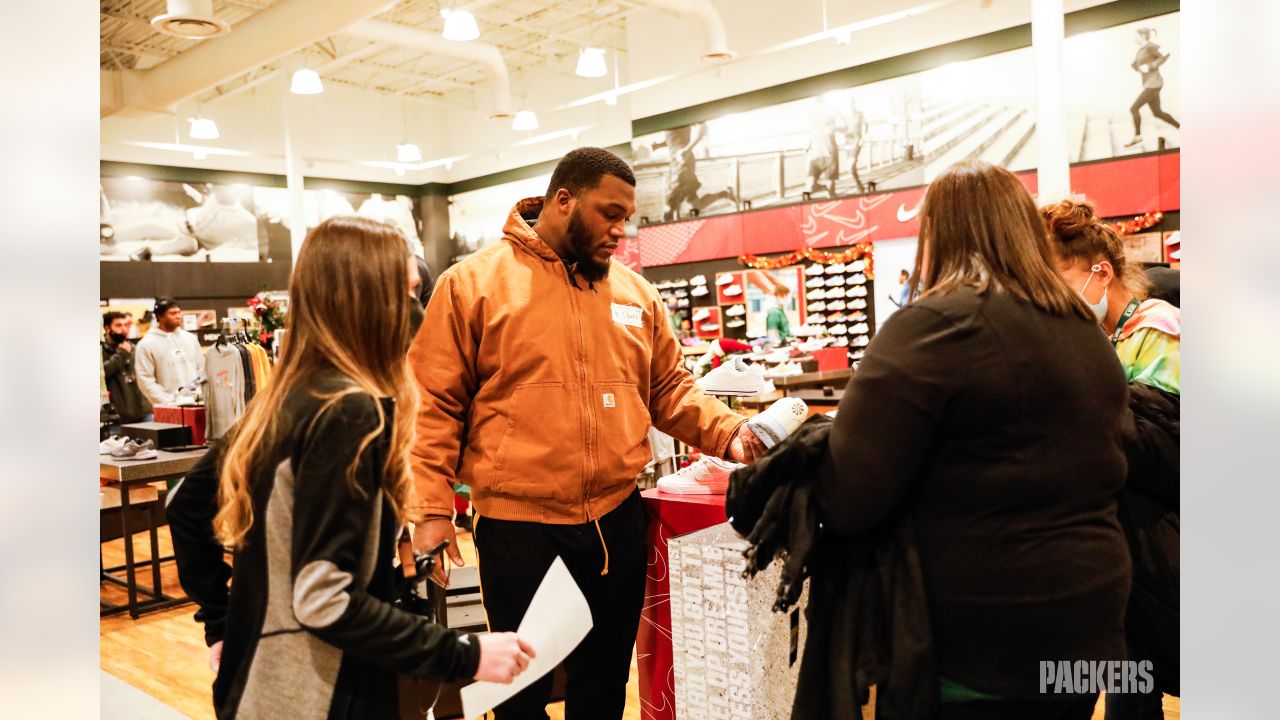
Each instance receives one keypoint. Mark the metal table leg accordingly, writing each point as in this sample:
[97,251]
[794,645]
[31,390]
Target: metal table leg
[129,571]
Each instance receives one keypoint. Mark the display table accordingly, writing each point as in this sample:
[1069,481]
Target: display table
[129,475]
[670,516]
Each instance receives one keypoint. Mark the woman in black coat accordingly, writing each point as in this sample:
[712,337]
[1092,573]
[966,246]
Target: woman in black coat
[990,410]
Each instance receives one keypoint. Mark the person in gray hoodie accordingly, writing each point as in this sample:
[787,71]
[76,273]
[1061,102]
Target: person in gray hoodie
[168,357]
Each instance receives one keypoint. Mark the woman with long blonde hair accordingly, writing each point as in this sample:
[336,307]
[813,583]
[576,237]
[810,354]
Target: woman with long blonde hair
[311,493]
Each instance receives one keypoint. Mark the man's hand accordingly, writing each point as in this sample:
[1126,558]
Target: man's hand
[215,656]
[125,346]
[503,656]
[746,447]
[429,534]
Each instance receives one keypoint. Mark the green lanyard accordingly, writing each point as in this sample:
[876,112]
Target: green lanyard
[1124,318]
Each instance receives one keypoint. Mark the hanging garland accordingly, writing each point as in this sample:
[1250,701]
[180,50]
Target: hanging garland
[860,251]
[1138,224]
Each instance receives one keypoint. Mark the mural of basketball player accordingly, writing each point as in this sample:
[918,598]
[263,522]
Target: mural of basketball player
[1147,63]
[822,155]
[684,183]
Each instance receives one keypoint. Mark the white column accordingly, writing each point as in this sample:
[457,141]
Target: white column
[1053,173]
[293,169]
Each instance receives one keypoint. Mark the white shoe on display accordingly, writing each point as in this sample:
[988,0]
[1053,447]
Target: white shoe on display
[836,293]
[682,302]
[858,304]
[736,310]
[735,323]
[700,315]
[859,329]
[860,341]
[708,476]
[857,266]
[115,442]
[698,280]
[834,281]
[836,305]
[787,369]
[814,283]
[858,279]
[699,291]
[816,295]
[834,269]
[812,270]
[859,291]
[804,331]
[733,291]
[840,330]
[817,307]
[778,356]
[834,318]
[724,279]
[709,327]
[778,421]
[842,342]
[733,377]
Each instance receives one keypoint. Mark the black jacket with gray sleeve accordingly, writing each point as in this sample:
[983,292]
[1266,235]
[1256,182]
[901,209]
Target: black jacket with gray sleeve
[309,628]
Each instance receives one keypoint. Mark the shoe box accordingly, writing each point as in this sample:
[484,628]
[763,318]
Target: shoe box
[163,435]
[193,416]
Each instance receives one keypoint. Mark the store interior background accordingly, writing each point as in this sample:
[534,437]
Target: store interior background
[285,158]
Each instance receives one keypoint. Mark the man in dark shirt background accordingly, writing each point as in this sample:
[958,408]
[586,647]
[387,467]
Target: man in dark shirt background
[117,368]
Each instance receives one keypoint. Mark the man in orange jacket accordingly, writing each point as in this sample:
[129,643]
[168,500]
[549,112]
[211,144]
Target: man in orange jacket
[541,366]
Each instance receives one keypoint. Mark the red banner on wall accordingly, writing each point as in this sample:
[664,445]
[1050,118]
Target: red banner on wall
[1129,186]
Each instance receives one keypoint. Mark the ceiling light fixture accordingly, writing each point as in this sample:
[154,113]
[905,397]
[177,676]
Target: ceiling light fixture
[591,63]
[203,128]
[306,82]
[408,153]
[525,120]
[459,25]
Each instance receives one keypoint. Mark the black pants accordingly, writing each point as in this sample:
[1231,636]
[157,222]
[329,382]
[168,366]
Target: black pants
[514,556]
[1149,96]
[1079,708]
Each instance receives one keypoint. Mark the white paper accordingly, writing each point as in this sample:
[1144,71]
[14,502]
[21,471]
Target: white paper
[557,620]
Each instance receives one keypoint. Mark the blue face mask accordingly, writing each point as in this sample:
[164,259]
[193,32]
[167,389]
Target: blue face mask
[1100,309]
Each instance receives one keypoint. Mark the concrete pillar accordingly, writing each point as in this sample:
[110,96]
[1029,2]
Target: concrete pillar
[1053,173]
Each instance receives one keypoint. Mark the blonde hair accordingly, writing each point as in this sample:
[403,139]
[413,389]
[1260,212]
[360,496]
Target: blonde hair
[349,312]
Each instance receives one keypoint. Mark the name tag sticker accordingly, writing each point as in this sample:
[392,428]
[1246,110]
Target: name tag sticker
[628,315]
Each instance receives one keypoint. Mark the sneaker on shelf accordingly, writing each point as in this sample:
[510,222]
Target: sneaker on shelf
[836,293]
[836,305]
[735,323]
[1176,254]
[814,283]
[768,388]
[724,279]
[114,442]
[859,329]
[860,341]
[709,327]
[134,450]
[699,291]
[859,291]
[733,377]
[842,342]
[804,331]
[779,420]
[858,304]
[857,315]
[817,307]
[733,291]
[834,281]
[856,355]
[736,310]
[858,279]
[682,293]
[698,280]
[837,317]
[814,269]
[664,285]
[840,329]
[680,284]
[857,266]
[786,369]
[682,302]
[816,295]
[700,315]
[834,269]
[817,343]
[708,476]
[778,356]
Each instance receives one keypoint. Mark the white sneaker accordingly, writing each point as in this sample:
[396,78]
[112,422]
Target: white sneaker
[858,304]
[812,270]
[856,279]
[860,341]
[698,280]
[859,291]
[786,369]
[733,377]
[834,281]
[834,269]
[736,310]
[836,305]
[859,329]
[778,356]
[840,329]
[724,279]
[699,291]
[835,318]
[680,284]
[836,293]
[804,331]
[816,295]
[778,421]
[700,315]
[733,291]
[857,266]
[857,315]
[115,442]
[842,342]
[856,355]
[709,327]
[817,307]
[815,344]
[814,283]
[735,323]
[682,302]
[708,476]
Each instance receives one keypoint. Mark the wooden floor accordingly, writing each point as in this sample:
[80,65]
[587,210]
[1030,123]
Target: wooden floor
[164,655]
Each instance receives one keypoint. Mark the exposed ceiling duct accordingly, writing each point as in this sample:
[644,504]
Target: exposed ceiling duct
[279,30]
[716,45]
[486,55]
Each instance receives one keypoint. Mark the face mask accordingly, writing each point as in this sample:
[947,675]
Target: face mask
[416,313]
[1099,310]
[117,338]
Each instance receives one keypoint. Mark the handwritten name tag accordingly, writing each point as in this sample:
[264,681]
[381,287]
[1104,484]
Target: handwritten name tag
[628,315]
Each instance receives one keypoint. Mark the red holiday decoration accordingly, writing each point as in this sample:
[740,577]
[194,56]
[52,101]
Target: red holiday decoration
[1138,224]
[860,251]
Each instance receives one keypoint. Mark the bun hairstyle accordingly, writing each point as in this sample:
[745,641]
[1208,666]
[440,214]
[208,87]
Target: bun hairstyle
[1076,234]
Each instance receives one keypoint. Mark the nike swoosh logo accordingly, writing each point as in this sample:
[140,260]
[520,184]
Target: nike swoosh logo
[905,215]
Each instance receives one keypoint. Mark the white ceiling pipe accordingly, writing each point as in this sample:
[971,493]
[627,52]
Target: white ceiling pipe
[279,30]
[717,46]
[487,55]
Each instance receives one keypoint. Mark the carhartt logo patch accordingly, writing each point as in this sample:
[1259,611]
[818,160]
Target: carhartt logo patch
[628,315]
[608,400]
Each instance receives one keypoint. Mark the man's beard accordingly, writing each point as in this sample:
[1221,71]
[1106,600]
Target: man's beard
[580,245]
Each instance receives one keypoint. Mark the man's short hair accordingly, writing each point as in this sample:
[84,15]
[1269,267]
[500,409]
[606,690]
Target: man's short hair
[164,304]
[582,169]
[110,317]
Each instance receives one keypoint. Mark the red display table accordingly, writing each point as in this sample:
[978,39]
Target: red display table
[669,516]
